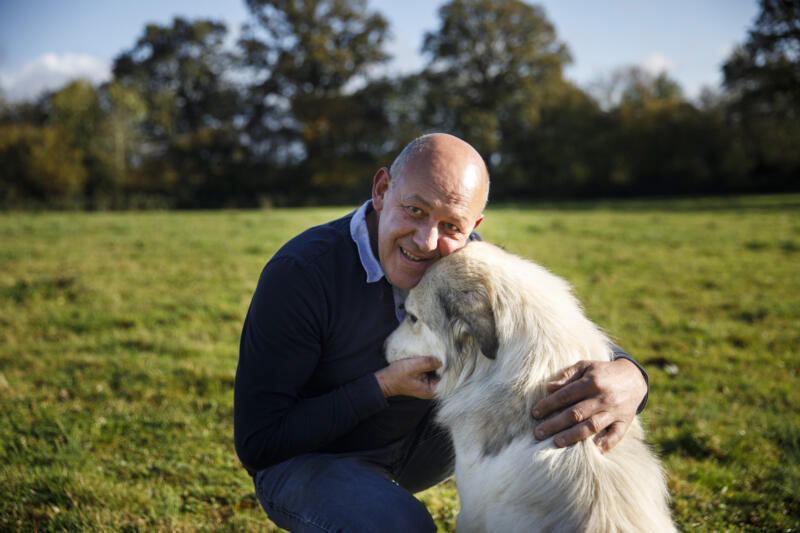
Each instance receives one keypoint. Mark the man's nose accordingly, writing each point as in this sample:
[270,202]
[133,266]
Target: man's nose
[427,237]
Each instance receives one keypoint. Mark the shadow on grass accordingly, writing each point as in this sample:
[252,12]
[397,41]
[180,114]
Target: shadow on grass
[693,442]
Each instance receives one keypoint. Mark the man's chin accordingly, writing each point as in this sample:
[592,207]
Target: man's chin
[403,280]
[401,273]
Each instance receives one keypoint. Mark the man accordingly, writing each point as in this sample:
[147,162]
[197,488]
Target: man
[335,439]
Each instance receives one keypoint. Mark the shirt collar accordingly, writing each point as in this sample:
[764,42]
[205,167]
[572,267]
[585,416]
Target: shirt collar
[372,267]
[360,235]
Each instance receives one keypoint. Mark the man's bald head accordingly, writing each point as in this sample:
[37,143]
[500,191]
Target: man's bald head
[426,206]
[442,148]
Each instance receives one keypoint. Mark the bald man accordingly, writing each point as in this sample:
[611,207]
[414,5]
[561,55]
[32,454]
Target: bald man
[334,438]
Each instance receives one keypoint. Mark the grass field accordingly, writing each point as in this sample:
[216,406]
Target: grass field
[119,336]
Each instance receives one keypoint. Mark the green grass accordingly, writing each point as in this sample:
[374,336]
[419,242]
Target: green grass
[119,337]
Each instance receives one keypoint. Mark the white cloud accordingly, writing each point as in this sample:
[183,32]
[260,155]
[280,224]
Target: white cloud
[51,71]
[656,63]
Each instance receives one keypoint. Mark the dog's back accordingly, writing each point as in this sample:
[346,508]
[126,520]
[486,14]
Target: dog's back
[507,480]
[534,486]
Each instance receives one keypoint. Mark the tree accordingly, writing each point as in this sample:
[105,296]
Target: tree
[36,162]
[126,111]
[663,144]
[25,112]
[76,111]
[183,72]
[763,79]
[494,66]
[184,75]
[634,87]
[307,57]
[765,71]
[565,153]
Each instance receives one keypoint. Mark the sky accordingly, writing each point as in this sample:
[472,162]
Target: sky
[45,43]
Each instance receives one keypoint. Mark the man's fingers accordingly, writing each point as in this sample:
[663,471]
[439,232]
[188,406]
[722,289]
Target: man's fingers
[422,364]
[612,437]
[591,396]
[409,377]
[593,425]
[569,394]
[568,375]
[424,382]
[432,363]
[577,414]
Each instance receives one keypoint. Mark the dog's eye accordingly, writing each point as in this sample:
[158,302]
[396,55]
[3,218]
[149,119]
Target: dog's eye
[411,318]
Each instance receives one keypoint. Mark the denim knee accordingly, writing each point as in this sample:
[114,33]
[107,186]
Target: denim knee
[325,492]
[398,511]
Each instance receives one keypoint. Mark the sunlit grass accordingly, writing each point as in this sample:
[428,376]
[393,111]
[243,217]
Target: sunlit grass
[119,338]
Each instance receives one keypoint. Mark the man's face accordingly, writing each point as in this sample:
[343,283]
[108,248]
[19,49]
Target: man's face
[425,213]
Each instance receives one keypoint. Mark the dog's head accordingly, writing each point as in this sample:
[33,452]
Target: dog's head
[486,313]
[449,316]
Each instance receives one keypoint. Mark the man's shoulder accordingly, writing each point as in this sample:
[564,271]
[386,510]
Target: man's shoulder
[318,242]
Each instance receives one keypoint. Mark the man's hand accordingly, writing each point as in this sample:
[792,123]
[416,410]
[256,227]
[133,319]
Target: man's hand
[409,377]
[594,396]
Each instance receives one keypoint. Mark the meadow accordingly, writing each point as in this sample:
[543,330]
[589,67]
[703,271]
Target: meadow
[119,339]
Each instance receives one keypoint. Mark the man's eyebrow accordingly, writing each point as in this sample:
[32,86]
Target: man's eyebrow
[418,199]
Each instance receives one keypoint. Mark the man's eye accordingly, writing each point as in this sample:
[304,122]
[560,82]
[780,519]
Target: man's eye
[416,211]
[411,318]
[452,228]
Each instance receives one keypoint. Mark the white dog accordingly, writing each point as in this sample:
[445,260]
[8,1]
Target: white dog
[502,326]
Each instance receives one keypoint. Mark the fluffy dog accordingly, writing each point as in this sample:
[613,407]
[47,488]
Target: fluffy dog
[502,326]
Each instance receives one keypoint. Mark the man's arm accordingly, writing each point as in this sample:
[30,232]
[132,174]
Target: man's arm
[595,396]
[279,351]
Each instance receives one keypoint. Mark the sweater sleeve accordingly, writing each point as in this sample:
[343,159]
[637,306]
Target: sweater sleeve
[619,353]
[280,348]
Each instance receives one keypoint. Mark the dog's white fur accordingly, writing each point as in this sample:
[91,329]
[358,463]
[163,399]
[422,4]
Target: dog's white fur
[502,327]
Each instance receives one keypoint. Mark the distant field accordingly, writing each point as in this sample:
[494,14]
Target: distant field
[119,337]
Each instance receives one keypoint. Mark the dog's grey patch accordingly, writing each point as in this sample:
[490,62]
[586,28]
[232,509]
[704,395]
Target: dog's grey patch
[475,310]
[464,352]
[496,443]
[505,422]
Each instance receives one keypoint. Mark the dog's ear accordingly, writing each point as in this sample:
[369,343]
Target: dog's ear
[474,309]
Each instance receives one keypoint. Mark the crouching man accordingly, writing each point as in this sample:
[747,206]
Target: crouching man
[335,439]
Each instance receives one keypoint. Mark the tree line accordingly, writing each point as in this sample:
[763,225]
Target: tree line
[295,113]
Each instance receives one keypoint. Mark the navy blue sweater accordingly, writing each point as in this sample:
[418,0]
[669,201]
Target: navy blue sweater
[311,342]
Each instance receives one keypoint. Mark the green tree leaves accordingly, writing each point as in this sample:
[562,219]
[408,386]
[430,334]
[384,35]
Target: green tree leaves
[193,150]
[763,79]
[305,58]
[491,66]
[38,163]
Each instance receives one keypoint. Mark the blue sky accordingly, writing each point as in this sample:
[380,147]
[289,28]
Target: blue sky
[44,43]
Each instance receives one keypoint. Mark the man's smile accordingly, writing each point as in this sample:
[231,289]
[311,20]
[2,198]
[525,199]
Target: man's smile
[411,256]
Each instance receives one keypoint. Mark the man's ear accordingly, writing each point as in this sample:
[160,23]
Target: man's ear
[478,222]
[380,186]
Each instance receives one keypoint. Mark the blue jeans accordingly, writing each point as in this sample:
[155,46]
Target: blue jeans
[359,492]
